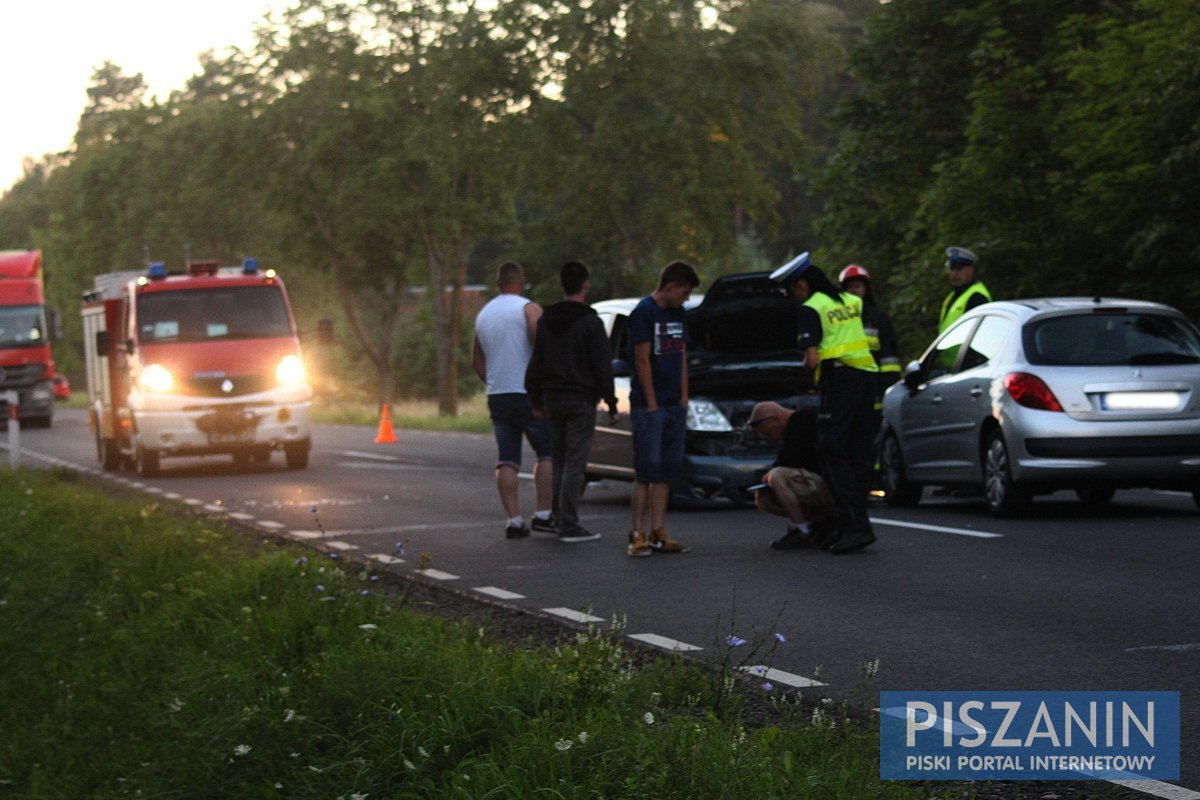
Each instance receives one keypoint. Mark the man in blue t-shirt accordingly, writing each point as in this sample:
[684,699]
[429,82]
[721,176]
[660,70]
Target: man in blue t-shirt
[658,404]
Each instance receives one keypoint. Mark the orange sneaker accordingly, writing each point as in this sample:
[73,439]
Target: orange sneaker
[661,543]
[638,545]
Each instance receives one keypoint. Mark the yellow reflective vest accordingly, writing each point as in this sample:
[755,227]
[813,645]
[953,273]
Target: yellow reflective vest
[954,307]
[842,336]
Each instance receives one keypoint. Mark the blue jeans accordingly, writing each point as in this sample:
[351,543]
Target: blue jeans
[512,417]
[658,443]
[572,426]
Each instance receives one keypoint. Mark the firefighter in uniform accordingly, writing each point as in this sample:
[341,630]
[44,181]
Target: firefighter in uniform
[881,336]
[835,348]
[965,291]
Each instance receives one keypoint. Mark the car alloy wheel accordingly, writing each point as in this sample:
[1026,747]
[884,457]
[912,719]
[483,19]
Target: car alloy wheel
[897,489]
[1005,498]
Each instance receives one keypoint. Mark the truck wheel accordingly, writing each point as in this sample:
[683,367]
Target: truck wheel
[108,453]
[296,454]
[147,462]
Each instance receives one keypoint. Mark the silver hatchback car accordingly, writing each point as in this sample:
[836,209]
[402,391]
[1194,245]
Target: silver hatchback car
[1028,397]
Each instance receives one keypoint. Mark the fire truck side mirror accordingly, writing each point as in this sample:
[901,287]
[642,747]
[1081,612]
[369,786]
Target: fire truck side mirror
[325,331]
[102,343]
[56,324]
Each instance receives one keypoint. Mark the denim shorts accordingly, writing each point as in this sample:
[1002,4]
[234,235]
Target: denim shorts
[658,443]
[512,416]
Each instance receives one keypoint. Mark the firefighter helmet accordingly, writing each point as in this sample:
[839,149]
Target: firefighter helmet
[853,271]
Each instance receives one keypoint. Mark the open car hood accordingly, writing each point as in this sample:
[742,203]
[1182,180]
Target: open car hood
[743,340]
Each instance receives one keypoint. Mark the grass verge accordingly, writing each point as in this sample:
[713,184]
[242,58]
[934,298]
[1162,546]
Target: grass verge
[151,654]
[412,414]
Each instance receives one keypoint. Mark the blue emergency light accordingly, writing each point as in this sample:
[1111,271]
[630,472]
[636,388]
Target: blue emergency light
[249,266]
[158,270]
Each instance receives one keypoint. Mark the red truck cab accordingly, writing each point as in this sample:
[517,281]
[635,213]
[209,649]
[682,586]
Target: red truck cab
[26,365]
[197,364]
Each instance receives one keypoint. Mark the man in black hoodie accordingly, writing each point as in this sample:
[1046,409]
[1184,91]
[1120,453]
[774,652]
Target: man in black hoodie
[569,373]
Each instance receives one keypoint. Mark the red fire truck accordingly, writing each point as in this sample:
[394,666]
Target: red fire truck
[25,363]
[197,364]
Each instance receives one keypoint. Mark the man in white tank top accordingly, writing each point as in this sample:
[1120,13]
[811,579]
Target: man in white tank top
[504,331]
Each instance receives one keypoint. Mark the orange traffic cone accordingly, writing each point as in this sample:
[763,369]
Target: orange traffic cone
[386,435]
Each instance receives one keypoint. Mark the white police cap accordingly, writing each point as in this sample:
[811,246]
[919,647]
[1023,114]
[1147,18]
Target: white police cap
[960,255]
[792,269]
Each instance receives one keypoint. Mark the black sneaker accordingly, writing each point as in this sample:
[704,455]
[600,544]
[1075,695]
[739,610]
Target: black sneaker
[578,535]
[825,532]
[852,543]
[792,540]
[544,524]
[516,532]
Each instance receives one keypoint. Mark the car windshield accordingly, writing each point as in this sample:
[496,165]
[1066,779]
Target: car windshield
[22,326]
[1112,339]
[221,312]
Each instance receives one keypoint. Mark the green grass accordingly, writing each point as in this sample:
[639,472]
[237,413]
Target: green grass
[412,414]
[151,654]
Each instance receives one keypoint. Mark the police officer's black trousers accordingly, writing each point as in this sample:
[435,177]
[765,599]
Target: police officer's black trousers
[845,440]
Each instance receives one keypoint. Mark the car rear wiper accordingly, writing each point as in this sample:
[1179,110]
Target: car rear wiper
[1164,357]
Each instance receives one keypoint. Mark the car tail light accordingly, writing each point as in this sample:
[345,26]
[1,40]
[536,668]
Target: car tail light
[1031,391]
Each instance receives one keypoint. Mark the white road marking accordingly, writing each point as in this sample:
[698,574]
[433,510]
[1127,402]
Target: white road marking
[368,456]
[216,509]
[437,574]
[1174,648]
[664,642]
[305,534]
[937,528]
[383,558]
[779,676]
[269,524]
[238,515]
[172,496]
[502,594]
[343,546]
[191,501]
[572,614]
[1160,789]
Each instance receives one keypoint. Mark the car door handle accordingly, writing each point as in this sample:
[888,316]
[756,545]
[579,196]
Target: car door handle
[977,391]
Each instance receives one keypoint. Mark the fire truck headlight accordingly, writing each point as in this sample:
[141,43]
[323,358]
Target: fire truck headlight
[156,378]
[290,372]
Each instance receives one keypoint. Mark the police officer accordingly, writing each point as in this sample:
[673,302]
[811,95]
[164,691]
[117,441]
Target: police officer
[835,348]
[965,291]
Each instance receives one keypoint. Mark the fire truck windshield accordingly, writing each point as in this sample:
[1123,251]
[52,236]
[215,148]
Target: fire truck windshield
[219,312]
[22,326]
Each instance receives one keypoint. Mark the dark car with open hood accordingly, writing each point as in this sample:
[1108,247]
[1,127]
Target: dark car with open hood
[742,350]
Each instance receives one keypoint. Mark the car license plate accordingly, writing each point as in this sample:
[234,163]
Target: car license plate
[1141,401]
[234,437]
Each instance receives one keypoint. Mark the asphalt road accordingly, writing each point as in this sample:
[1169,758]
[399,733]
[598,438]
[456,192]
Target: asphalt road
[949,598]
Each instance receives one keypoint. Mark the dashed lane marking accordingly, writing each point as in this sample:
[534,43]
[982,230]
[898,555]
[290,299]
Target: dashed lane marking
[343,546]
[937,528]
[437,574]
[501,594]
[664,642]
[269,524]
[572,614]
[192,501]
[779,676]
[1160,789]
[305,534]
[1174,648]
[383,558]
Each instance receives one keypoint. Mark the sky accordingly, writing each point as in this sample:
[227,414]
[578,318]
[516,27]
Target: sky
[49,49]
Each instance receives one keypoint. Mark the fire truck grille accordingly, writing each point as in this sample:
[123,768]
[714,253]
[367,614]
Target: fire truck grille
[232,386]
[20,375]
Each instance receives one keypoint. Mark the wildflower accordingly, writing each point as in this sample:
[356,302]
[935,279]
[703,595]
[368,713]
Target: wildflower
[289,715]
[374,578]
[175,705]
[332,555]
[583,737]
[358,796]
[648,718]
[409,765]
[301,561]
[320,587]
[424,753]
[734,641]
[313,510]
[563,745]
[767,687]
[761,670]
[779,637]
[399,549]
[365,592]
[241,750]
[368,626]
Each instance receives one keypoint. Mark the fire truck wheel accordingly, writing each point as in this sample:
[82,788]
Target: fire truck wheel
[108,453]
[296,454]
[147,462]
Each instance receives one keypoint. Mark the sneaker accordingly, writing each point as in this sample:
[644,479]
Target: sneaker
[638,546]
[578,535]
[852,543]
[793,540]
[544,524]
[516,532]
[662,543]
[825,532]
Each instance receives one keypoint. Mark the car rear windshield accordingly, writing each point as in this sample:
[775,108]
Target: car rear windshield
[1112,339]
[221,312]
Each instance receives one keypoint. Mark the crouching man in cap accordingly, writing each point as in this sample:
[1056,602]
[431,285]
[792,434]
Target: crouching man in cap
[793,486]
[965,291]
